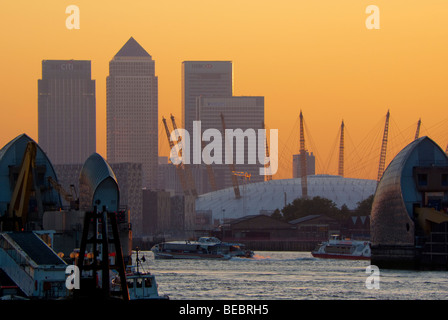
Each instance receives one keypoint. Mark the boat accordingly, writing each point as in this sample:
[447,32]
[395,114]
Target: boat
[142,285]
[239,250]
[203,248]
[336,248]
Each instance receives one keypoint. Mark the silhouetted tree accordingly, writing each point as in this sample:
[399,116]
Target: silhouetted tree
[301,207]
[277,214]
[364,207]
[345,210]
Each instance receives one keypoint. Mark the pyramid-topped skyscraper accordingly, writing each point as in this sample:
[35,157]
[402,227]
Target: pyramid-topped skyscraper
[132,110]
[132,49]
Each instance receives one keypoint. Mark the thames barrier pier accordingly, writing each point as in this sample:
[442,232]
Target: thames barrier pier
[409,219]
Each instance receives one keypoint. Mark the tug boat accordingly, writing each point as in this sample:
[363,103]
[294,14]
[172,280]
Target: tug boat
[203,248]
[335,248]
[142,285]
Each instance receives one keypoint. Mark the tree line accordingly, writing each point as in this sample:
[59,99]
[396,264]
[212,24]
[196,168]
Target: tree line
[302,207]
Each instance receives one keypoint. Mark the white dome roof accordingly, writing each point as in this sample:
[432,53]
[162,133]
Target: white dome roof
[261,197]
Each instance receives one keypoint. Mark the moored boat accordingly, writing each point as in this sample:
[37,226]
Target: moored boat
[336,248]
[142,285]
[203,248]
[239,250]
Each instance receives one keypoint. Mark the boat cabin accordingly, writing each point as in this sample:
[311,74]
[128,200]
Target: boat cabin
[142,286]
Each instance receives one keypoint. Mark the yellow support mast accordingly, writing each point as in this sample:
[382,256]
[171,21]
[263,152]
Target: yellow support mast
[341,151]
[266,166]
[417,132]
[303,169]
[383,148]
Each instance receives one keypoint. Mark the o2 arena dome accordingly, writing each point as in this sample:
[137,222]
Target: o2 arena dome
[265,197]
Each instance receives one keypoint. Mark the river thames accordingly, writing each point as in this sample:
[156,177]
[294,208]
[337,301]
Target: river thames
[290,276]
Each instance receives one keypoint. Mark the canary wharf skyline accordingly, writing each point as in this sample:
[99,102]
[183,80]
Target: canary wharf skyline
[321,58]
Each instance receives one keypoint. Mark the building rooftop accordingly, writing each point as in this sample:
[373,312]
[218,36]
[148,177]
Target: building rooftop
[132,49]
[306,218]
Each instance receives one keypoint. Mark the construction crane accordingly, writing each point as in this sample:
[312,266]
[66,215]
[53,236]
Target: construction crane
[417,132]
[266,165]
[341,151]
[303,170]
[186,167]
[383,148]
[17,214]
[245,175]
[236,188]
[74,203]
[179,167]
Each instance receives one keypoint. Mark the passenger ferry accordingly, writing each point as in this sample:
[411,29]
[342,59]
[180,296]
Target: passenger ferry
[203,248]
[335,248]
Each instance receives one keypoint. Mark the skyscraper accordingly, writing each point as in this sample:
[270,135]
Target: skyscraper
[240,112]
[132,110]
[310,165]
[203,78]
[66,111]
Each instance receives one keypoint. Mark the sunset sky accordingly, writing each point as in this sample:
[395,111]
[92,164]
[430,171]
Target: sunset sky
[314,56]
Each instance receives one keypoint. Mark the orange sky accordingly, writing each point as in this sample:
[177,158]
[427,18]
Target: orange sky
[316,56]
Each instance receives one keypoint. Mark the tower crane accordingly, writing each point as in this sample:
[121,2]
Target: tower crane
[383,148]
[341,151]
[179,168]
[186,167]
[236,187]
[245,175]
[303,170]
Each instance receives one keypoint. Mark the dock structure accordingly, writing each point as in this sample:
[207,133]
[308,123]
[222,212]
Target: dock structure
[35,269]
[38,237]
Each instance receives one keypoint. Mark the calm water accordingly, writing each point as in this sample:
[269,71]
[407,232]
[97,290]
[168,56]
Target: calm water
[289,276]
